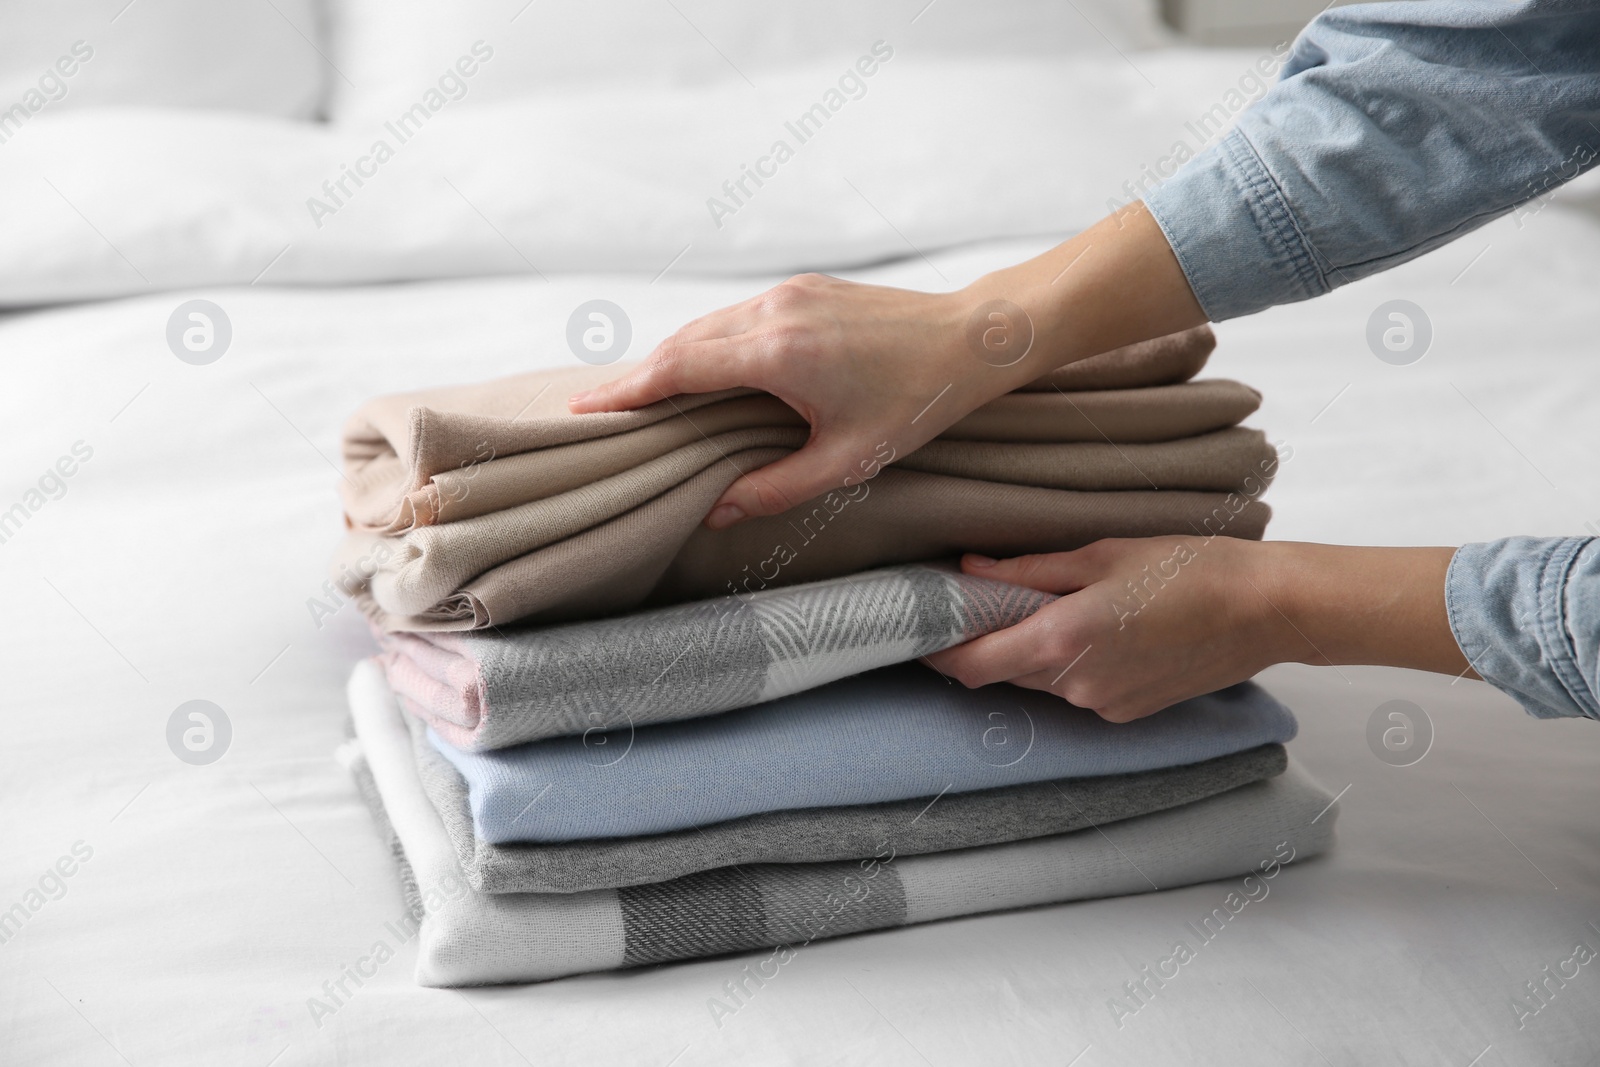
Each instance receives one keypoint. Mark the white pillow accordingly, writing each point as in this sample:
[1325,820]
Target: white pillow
[238,55]
[394,52]
[106,202]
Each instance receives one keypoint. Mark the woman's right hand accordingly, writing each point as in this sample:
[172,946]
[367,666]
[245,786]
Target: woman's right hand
[879,371]
[875,371]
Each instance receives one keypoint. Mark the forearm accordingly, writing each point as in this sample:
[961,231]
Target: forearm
[1522,613]
[874,368]
[1336,604]
[1146,623]
[1114,284]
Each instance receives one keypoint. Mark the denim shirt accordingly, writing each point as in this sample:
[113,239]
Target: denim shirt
[1526,612]
[1396,128]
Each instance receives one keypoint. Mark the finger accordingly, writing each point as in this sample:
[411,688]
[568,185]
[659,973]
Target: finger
[1048,681]
[685,367]
[1112,704]
[1048,641]
[777,487]
[724,322]
[1050,572]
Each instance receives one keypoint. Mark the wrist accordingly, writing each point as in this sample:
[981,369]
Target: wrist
[1340,604]
[990,341]
[1017,327]
[1115,284]
[1286,590]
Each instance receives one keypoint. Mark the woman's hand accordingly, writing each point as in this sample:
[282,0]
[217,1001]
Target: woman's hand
[1145,623]
[868,366]
[863,364]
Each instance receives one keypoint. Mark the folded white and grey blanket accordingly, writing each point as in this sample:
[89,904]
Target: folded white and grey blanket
[470,938]
[819,835]
[491,690]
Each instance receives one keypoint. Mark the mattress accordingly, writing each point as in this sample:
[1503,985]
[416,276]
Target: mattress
[208,902]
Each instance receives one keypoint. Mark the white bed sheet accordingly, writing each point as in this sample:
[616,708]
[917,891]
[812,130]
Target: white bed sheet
[219,899]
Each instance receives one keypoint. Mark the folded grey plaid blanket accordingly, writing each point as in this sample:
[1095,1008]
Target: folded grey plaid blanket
[818,835]
[465,937]
[492,690]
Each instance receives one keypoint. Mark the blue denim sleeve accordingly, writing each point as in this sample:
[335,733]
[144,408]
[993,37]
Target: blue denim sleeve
[1394,128]
[1526,612]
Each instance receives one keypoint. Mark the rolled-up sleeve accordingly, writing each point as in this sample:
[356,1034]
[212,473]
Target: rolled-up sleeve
[1526,612]
[1394,128]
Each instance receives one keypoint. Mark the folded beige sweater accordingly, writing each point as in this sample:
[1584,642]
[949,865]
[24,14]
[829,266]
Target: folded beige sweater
[429,563]
[442,454]
[487,504]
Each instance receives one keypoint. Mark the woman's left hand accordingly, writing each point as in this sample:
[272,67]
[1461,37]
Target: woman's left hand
[1145,623]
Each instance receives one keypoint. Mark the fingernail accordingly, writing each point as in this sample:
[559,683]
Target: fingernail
[577,397]
[980,561]
[724,515]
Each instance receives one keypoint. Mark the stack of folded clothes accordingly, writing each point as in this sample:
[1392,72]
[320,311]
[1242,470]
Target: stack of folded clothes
[599,735]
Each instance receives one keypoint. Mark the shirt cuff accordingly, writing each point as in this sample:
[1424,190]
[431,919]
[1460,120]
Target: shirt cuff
[1233,233]
[1526,612]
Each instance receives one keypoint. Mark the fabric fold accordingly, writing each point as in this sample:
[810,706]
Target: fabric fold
[502,461]
[1165,360]
[1221,461]
[660,553]
[483,691]
[471,938]
[497,484]
[1152,413]
[431,563]
[1217,460]
[395,446]
[887,735]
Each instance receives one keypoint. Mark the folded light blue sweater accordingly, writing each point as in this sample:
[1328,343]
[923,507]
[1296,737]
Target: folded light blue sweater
[887,735]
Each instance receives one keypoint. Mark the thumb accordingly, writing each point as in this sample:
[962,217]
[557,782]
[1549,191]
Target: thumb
[1050,572]
[792,480]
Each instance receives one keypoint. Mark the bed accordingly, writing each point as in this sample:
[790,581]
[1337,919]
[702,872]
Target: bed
[206,904]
